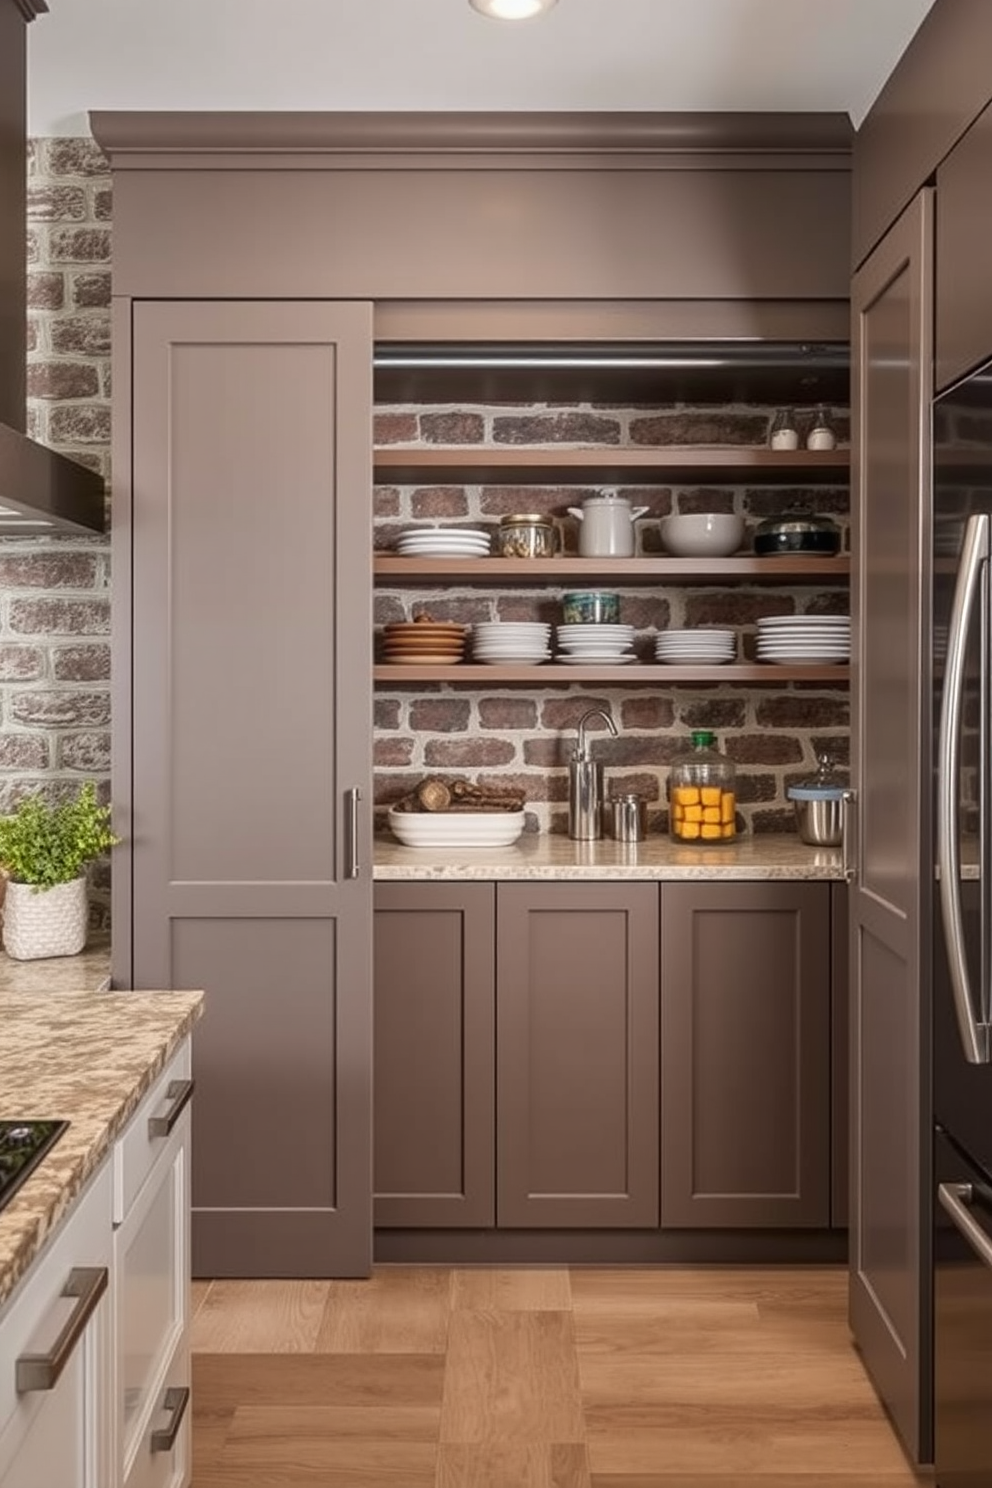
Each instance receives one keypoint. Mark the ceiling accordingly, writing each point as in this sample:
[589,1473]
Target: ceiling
[667,55]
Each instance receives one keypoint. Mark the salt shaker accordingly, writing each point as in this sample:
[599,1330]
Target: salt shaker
[784,434]
[821,435]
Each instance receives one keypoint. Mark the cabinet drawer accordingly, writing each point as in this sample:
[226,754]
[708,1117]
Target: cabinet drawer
[139,1147]
[151,1258]
[155,1463]
[33,1425]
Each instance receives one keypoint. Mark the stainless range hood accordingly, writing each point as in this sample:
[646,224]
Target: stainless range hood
[40,491]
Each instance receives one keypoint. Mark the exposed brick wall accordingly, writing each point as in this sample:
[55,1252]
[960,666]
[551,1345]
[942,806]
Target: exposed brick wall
[55,592]
[521,735]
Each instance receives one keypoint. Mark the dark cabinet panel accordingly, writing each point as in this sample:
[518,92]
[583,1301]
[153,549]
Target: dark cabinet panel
[963,302]
[434,1055]
[745,1039]
[577,1055]
[250,718]
[840,1023]
[889,1220]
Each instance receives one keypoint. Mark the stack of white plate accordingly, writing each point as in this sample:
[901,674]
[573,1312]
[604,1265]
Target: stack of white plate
[511,642]
[802,640]
[595,645]
[443,542]
[703,646]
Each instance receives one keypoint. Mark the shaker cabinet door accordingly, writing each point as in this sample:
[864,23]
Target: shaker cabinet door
[244,549]
[577,1055]
[745,1055]
[434,1055]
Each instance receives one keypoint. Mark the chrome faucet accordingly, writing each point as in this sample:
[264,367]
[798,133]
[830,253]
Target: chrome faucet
[585,782]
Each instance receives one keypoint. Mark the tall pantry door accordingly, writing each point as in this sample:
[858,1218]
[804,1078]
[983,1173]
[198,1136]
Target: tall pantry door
[892,303]
[251,682]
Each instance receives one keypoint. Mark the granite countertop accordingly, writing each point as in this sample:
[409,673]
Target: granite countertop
[87,972]
[83,1058]
[540,856]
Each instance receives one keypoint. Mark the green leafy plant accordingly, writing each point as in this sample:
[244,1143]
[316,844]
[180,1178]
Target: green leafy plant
[45,845]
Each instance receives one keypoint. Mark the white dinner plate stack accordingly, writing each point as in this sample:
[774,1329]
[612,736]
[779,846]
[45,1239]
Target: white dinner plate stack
[511,642]
[804,640]
[443,542]
[702,646]
[595,645]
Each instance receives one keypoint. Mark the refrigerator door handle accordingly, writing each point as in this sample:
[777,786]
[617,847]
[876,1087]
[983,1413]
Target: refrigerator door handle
[955,1197]
[975,552]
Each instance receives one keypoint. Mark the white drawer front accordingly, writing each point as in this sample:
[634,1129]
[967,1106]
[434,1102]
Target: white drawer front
[138,1148]
[44,1432]
[156,1465]
[150,1269]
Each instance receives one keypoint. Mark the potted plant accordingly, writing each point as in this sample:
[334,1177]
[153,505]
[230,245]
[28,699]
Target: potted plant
[43,851]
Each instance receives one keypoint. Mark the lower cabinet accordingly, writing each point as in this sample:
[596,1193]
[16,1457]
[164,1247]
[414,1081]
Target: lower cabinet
[607,1055]
[577,1055]
[745,1055]
[434,1055]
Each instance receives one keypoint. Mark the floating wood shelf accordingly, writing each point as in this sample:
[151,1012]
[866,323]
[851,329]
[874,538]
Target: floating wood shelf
[525,465]
[795,569]
[547,672]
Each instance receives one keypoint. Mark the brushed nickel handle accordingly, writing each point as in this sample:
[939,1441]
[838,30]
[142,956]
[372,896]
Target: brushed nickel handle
[848,867]
[352,798]
[974,553]
[175,1402]
[954,1197]
[41,1371]
[179,1093]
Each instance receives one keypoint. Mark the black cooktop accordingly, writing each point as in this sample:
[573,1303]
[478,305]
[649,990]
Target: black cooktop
[22,1146]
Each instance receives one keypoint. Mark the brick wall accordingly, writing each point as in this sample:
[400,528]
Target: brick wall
[54,592]
[520,735]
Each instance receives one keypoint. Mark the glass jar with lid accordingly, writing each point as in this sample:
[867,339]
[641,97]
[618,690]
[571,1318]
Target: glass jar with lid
[527,535]
[702,793]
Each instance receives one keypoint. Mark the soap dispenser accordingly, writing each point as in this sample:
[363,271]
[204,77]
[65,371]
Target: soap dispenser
[585,783]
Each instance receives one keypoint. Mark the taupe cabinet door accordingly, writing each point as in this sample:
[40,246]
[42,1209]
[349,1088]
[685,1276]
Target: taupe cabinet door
[435,1055]
[577,1055]
[251,615]
[963,337]
[745,1055]
[890,1119]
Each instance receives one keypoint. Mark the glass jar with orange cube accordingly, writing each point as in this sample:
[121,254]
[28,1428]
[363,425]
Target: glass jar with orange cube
[702,796]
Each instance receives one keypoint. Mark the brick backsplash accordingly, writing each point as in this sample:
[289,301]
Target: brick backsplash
[521,735]
[55,592]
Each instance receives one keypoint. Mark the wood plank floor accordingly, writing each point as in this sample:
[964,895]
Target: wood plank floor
[434,1378]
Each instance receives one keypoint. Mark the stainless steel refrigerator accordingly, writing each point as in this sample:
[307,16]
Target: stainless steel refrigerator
[962,968]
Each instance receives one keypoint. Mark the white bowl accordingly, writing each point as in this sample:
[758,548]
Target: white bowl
[702,534]
[456,829]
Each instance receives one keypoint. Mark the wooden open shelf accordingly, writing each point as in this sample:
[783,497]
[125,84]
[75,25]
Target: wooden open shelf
[792,569]
[524,465]
[547,672]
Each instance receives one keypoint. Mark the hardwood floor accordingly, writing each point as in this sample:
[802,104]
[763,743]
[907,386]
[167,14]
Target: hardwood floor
[433,1378]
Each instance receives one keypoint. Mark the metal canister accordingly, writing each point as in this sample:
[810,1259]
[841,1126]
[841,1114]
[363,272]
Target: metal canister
[627,818]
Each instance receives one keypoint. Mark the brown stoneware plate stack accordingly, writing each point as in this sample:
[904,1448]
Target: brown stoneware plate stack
[423,643]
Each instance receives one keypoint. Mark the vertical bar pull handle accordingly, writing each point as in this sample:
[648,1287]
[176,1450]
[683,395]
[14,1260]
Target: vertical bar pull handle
[351,800]
[846,835]
[974,552]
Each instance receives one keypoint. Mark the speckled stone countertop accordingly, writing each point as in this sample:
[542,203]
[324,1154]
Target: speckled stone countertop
[88,1060]
[87,972]
[540,856]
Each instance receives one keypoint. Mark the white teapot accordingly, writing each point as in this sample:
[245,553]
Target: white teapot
[607,526]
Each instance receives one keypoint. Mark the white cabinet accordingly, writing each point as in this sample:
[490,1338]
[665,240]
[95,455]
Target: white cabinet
[151,1285]
[108,1301]
[55,1427]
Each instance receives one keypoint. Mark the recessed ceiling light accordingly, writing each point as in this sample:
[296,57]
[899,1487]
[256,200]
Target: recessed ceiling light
[511,10]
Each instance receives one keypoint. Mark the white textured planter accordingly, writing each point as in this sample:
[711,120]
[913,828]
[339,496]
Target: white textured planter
[51,922]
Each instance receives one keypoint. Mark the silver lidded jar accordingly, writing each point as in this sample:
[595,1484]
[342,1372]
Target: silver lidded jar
[819,804]
[527,535]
